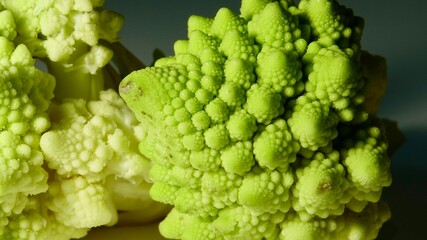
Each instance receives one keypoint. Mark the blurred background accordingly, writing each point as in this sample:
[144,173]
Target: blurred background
[394,29]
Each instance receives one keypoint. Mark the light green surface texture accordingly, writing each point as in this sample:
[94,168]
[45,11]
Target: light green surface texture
[394,29]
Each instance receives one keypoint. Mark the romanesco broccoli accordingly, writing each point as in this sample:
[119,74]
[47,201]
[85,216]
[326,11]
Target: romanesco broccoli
[262,125]
[69,156]
[258,126]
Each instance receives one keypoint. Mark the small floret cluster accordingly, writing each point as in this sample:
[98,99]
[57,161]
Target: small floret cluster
[257,126]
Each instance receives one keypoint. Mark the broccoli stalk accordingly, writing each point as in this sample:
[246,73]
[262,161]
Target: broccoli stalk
[82,79]
[93,69]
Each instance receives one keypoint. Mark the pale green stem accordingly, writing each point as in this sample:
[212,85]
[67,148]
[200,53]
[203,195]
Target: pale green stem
[75,83]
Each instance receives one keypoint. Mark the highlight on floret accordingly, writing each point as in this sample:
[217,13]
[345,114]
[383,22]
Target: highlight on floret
[258,126]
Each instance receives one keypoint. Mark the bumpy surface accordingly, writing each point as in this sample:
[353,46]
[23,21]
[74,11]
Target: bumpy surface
[25,94]
[92,151]
[70,36]
[55,29]
[65,166]
[257,127]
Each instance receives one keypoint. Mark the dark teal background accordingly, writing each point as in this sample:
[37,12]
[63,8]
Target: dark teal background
[394,29]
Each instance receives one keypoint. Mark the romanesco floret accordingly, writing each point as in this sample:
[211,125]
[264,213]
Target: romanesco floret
[296,228]
[312,122]
[92,145]
[321,187]
[349,225]
[274,146]
[362,225]
[55,29]
[8,26]
[257,128]
[81,202]
[67,36]
[367,162]
[25,96]
[94,138]
[334,77]
[266,191]
[35,222]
